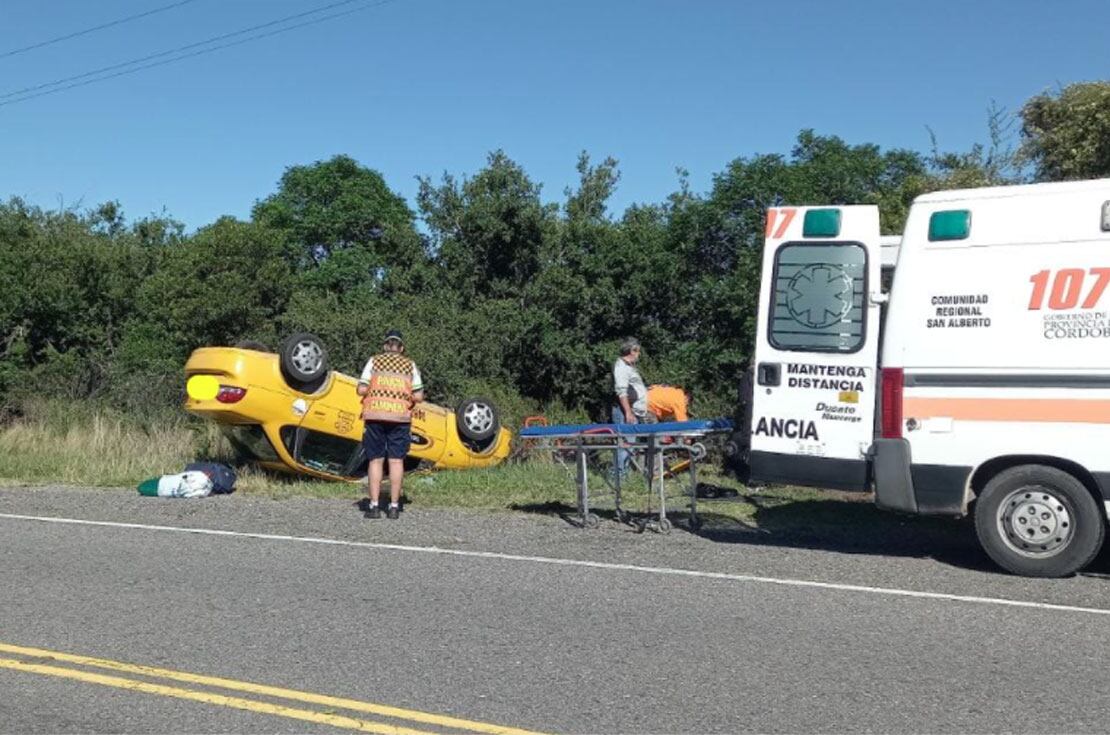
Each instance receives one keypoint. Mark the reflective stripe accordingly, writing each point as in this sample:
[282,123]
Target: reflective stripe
[389,393]
[1072,411]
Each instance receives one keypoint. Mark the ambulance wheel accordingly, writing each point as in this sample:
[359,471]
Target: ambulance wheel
[1039,521]
[304,360]
[477,419]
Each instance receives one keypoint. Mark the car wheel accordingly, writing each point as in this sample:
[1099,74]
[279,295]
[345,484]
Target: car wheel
[250,344]
[477,419]
[1039,521]
[304,360]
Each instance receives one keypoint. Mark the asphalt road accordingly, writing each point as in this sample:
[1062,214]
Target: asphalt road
[596,632]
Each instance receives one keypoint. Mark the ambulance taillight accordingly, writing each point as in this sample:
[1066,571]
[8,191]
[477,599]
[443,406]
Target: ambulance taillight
[892,402]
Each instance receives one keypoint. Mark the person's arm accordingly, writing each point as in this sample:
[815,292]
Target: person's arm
[629,417]
[681,410]
[364,379]
[417,385]
[620,385]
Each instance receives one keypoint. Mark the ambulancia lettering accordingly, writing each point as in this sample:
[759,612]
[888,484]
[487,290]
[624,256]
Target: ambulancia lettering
[787,428]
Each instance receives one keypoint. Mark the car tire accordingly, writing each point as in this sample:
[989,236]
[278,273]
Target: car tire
[1039,521]
[304,361]
[250,344]
[477,419]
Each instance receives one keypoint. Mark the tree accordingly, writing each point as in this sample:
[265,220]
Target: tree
[1067,135]
[68,285]
[338,205]
[228,282]
[487,232]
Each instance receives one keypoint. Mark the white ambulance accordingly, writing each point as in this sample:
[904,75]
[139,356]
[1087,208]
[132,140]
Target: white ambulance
[980,382]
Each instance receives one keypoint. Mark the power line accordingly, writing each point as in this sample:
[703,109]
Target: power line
[161,54]
[100,27]
[202,51]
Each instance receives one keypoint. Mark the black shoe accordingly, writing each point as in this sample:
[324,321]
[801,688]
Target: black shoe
[393,513]
[374,512]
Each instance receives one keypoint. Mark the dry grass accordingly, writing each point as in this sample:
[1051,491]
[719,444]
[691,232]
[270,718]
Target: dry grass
[104,450]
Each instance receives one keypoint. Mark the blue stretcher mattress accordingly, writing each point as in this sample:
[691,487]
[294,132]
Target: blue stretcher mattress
[701,426]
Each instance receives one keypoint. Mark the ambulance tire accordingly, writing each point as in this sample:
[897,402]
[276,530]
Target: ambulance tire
[1069,528]
[304,360]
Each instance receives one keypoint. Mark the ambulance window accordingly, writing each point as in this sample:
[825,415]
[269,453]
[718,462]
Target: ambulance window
[818,297]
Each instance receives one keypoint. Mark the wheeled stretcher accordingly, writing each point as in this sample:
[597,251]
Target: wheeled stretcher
[650,443]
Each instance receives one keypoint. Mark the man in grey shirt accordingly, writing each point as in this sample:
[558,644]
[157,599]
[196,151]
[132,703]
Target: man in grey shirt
[629,386]
[631,393]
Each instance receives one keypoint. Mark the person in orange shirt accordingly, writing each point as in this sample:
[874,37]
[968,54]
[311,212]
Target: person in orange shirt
[668,402]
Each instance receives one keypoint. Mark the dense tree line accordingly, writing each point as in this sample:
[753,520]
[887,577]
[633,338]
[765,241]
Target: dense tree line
[498,290]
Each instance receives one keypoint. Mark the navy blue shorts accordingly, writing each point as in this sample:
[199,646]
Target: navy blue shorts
[385,439]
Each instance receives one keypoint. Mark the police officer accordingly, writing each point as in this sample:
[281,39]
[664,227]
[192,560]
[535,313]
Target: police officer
[390,386]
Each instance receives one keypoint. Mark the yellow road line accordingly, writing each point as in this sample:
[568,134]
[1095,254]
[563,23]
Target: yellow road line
[250,705]
[270,691]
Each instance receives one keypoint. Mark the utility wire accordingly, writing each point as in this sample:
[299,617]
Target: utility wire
[201,51]
[170,52]
[100,27]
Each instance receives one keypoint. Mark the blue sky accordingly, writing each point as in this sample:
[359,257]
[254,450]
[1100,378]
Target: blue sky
[419,87]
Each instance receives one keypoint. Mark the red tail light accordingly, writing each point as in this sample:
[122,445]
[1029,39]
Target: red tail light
[892,402]
[230,394]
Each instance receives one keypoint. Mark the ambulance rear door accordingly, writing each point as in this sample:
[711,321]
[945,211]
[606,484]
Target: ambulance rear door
[816,355]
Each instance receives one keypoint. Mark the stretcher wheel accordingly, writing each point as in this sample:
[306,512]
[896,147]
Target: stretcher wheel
[663,526]
[622,516]
[592,520]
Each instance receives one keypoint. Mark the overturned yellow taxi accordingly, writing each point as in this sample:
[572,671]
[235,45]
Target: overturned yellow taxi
[287,411]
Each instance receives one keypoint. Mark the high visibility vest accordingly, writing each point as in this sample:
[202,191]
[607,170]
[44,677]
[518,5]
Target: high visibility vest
[389,397]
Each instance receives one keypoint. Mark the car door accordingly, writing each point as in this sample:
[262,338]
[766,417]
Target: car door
[328,437]
[816,351]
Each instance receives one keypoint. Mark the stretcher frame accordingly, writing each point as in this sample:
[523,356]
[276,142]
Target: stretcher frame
[651,442]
